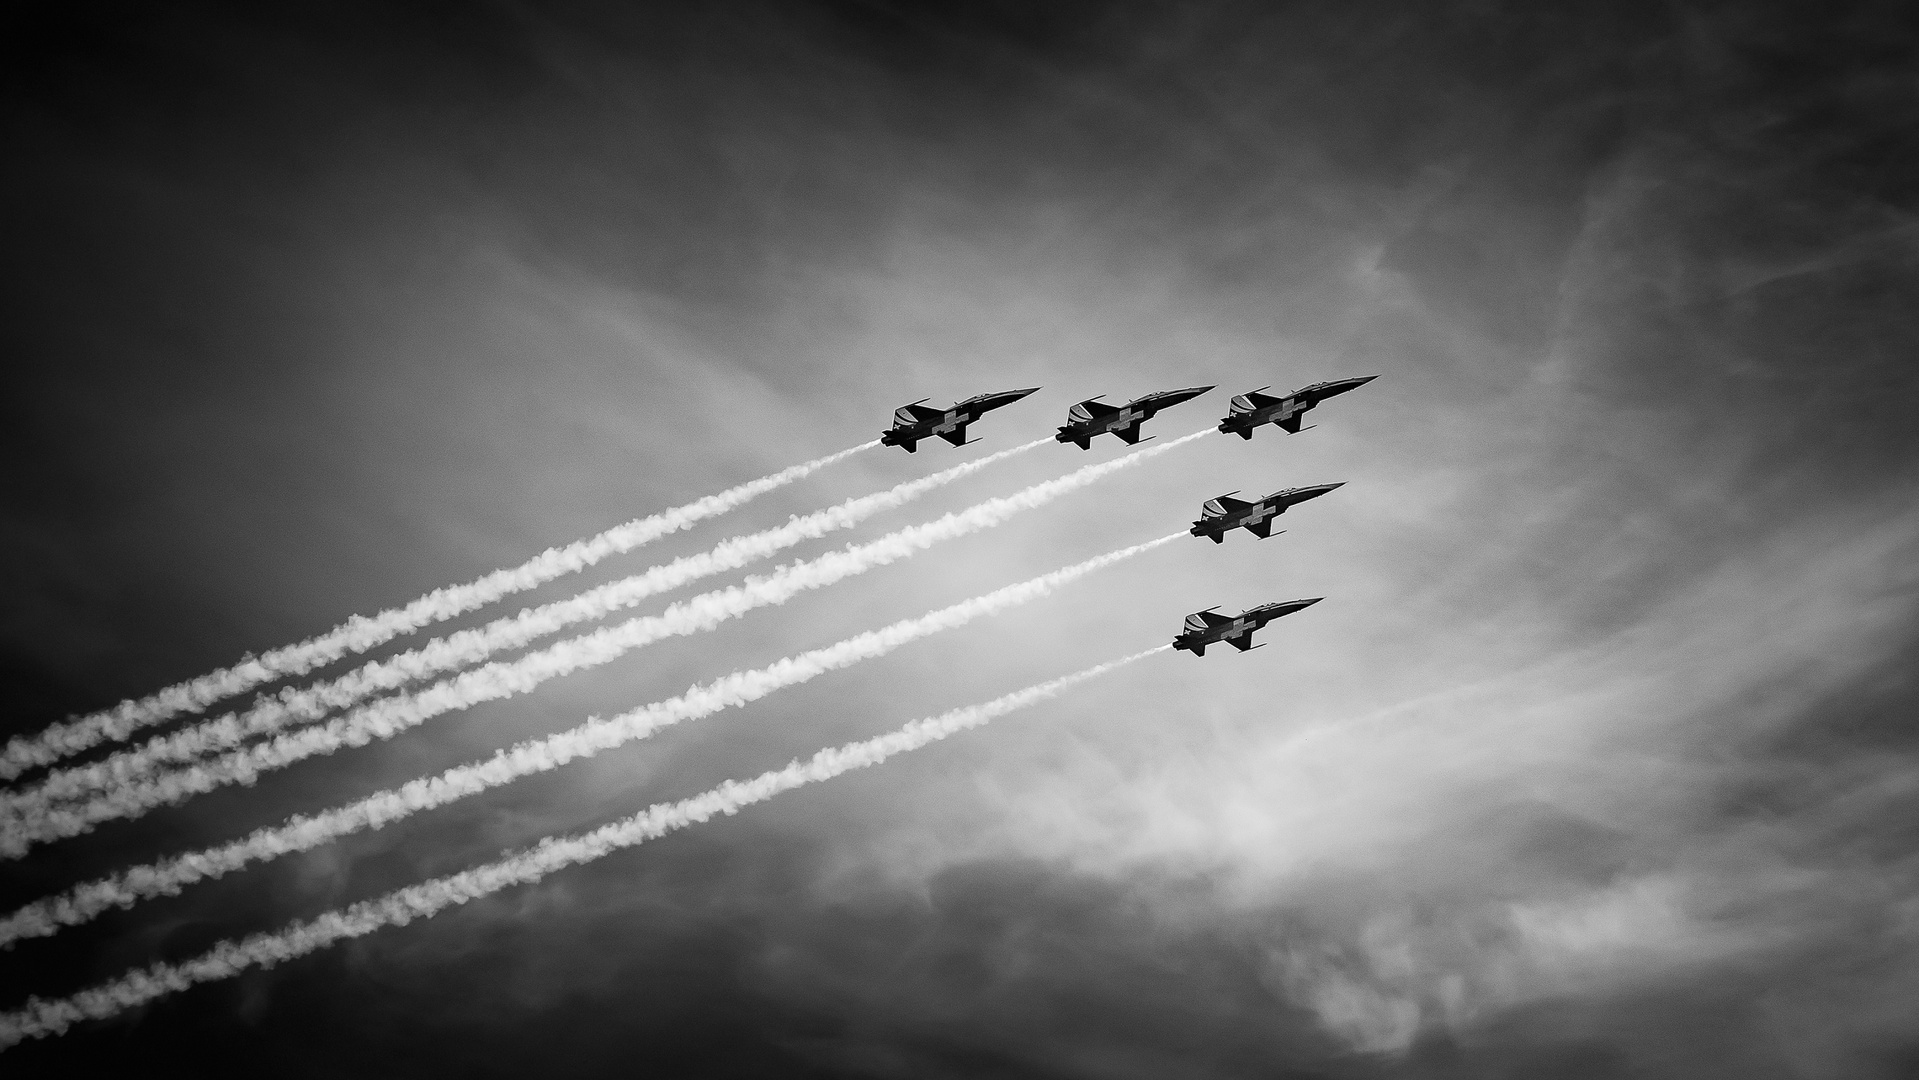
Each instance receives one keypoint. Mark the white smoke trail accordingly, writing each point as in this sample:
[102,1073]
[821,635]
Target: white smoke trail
[388,717]
[361,633]
[304,832]
[40,1018]
[297,705]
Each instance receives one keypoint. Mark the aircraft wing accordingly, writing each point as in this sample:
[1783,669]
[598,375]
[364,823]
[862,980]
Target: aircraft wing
[1291,423]
[1262,528]
[1227,503]
[1259,400]
[1093,407]
[925,413]
[1244,642]
[1211,618]
[1130,432]
[957,436]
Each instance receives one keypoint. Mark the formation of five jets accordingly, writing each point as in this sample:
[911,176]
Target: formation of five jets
[1218,516]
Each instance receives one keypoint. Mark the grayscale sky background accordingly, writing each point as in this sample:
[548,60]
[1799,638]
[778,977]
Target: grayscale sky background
[1599,760]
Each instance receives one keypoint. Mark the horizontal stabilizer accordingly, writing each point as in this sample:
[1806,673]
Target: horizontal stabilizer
[1246,434]
[1219,538]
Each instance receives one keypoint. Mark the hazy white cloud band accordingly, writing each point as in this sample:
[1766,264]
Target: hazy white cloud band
[388,717]
[301,704]
[304,832]
[360,633]
[40,1018]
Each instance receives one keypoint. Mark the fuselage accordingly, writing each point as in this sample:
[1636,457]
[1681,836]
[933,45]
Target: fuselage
[914,422]
[1085,420]
[1248,411]
[1201,631]
[1219,517]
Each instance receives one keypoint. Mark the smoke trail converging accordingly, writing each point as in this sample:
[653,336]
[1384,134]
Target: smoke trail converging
[361,633]
[386,718]
[296,705]
[304,832]
[39,1018]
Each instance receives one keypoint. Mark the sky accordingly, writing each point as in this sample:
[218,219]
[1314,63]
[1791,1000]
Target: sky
[1598,759]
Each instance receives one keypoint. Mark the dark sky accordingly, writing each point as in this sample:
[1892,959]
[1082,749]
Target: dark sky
[1599,760]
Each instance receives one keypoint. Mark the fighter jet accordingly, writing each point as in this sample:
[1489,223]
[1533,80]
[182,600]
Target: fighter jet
[1224,514]
[1090,418]
[1203,628]
[914,422]
[1253,409]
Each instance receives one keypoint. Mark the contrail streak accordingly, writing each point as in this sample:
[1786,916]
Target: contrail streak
[388,717]
[297,705]
[304,832]
[361,633]
[41,1018]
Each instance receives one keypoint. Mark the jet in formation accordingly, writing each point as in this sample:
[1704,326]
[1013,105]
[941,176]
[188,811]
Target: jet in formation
[1090,418]
[1251,410]
[1204,628]
[916,421]
[1224,514]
